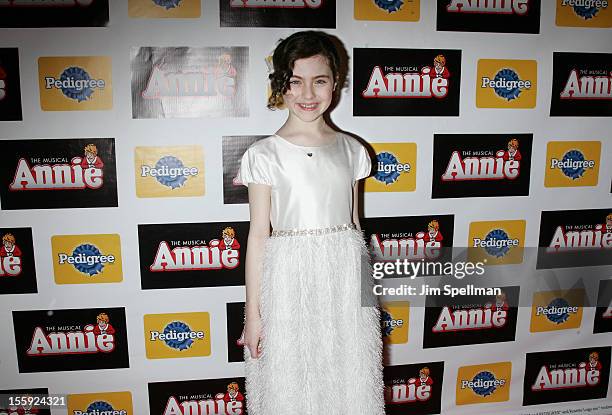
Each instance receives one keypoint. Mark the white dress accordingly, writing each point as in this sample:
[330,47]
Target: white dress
[321,340]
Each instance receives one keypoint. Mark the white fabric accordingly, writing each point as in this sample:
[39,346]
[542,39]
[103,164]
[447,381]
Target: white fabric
[307,191]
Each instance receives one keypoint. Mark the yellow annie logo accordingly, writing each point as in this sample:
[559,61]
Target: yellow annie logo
[506,83]
[76,83]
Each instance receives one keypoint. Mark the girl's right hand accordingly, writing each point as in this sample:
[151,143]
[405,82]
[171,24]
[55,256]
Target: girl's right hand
[252,335]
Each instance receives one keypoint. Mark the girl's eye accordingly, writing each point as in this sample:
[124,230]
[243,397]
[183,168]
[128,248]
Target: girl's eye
[321,82]
[294,82]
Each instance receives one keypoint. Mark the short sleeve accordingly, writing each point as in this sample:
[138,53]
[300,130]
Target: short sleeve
[363,164]
[254,168]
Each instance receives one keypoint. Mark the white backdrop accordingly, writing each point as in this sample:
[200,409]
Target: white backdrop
[124,33]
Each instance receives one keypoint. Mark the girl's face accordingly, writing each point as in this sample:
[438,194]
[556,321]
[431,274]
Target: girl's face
[310,89]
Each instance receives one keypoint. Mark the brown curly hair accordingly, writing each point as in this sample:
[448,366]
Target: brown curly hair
[298,46]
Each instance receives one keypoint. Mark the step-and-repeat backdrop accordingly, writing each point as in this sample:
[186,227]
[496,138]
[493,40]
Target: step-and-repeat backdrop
[124,230]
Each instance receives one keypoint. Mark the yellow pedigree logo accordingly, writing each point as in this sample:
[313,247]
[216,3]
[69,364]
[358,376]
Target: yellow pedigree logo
[584,13]
[389,10]
[497,242]
[394,168]
[116,403]
[169,171]
[484,383]
[175,9]
[177,335]
[572,163]
[86,259]
[556,310]
[503,83]
[395,321]
[75,83]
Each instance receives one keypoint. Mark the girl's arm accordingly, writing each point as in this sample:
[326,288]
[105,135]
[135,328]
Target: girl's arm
[356,204]
[259,231]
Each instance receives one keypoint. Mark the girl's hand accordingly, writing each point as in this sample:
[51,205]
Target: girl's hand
[251,336]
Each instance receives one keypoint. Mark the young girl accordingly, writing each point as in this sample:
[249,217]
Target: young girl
[312,332]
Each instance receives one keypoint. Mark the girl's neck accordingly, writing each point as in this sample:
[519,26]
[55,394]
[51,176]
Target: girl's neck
[317,130]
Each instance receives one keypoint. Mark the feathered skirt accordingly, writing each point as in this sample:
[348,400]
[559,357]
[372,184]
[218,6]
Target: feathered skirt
[321,341]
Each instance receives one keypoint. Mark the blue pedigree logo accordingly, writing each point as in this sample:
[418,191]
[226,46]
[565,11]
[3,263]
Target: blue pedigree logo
[496,243]
[100,407]
[558,311]
[585,11]
[497,249]
[386,319]
[169,171]
[506,84]
[389,168]
[178,335]
[87,259]
[485,383]
[75,83]
[573,164]
[167,4]
[389,6]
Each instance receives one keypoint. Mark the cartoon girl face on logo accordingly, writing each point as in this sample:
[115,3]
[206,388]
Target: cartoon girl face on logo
[424,376]
[500,299]
[594,362]
[225,67]
[432,228]
[9,246]
[609,222]
[440,70]
[229,239]
[513,146]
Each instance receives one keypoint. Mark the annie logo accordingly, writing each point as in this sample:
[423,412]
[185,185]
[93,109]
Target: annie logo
[52,174]
[422,245]
[74,340]
[196,255]
[230,402]
[502,165]
[582,84]
[576,237]
[218,81]
[411,390]
[427,83]
[490,316]
[519,7]
[45,3]
[292,4]
[10,256]
[582,375]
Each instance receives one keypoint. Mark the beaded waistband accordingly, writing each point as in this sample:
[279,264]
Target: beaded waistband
[317,231]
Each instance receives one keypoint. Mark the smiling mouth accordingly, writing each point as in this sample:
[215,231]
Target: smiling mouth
[308,107]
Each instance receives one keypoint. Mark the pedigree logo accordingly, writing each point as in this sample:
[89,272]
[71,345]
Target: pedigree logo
[86,259]
[584,13]
[557,310]
[102,403]
[75,83]
[395,319]
[175,9]
[506,83]
[177,335]
[395,169]
[572,163]
[484,383]
[497,242]
[388,10]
